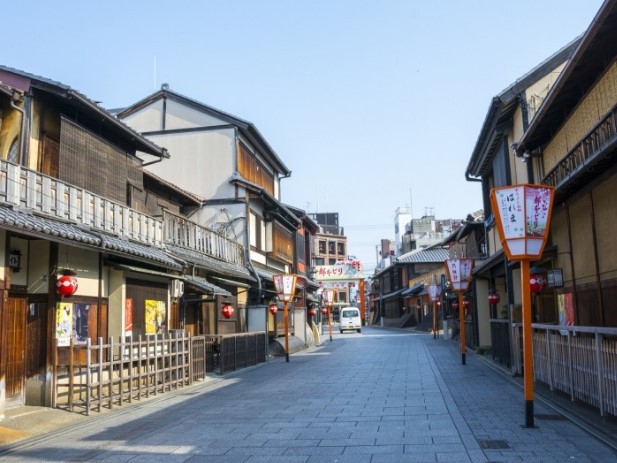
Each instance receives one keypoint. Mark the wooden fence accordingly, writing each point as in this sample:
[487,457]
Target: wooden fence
[231,352]
[90,376]
[580,361]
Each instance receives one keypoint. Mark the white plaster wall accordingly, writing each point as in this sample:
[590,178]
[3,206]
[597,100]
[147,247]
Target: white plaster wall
[147,119]
[200,162]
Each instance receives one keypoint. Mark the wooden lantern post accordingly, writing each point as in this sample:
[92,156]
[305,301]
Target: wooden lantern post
[459,274]
[285,286]
[329,298]
[434,292]
[523,217]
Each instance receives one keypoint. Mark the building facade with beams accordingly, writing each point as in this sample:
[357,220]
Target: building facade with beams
[227,161]
[76,202]
[494,164]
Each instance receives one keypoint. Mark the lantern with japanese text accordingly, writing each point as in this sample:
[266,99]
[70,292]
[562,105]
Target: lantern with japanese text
[523,216]
[227,310]
[493,298]
[459,274]
[273,308]
[324,311]
[537,282]
[66,285]
[285,287]
[312,312]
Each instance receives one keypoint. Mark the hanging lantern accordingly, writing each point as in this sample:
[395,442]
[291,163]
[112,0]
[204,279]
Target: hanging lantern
[324,311]
[312,312]
[493,298]
[438,303]
[466,303]
[228,310]
[454,305]
[537,282]
[66,285]
[273,308]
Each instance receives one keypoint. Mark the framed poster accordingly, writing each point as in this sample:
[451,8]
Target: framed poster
[155,316]
[64,323]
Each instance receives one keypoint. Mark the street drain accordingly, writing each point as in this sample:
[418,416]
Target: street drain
[493,444]
[551,417]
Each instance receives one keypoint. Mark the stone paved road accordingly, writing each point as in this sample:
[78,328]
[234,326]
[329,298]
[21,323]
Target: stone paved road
[383,396]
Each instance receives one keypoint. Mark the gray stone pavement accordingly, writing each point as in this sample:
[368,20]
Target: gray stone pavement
[383,396]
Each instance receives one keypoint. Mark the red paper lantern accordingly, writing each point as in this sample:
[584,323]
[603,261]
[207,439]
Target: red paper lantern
[273,308]
[227,311]
[324,311]
[493,298]
[312,312]
[466,303]
[454,305]
[66,285]
[537,282]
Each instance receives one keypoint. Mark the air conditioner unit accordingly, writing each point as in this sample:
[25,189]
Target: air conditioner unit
[177,288]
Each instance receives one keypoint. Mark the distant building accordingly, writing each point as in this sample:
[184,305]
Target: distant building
[330,240]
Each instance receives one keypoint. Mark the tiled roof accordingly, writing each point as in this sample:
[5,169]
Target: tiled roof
[33,225]
[210,263]
[13,219]
[424,256]
[123,246]
[207,287]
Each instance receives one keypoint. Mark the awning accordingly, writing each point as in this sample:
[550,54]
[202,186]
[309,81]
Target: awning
[231,282]
[226,269]
[392,294]
[205,286]
[413,290]
[134,268]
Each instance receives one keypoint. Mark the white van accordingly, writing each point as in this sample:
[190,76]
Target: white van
[350,319]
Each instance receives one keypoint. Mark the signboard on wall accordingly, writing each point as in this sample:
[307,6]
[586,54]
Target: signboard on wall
[64,323]
[128,317]
[155,316]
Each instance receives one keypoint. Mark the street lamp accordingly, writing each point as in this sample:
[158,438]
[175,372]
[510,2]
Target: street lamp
[523,217]
[434,292]
[459,274]
[328,295]
[285,286]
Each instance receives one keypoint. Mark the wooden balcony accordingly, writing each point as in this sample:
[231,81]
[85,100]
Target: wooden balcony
[30,190]
[587,159]
[183,232]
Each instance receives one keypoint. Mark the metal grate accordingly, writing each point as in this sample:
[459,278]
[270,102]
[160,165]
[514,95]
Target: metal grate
[493,444]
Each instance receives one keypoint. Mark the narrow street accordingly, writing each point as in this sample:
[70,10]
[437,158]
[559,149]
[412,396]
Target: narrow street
[382,396]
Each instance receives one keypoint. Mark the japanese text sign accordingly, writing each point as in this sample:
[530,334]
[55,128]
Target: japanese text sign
[345,271]
[523,214]
[459,272]
[285,286]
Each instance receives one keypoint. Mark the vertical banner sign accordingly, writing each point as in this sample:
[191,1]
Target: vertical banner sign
[155,316]
[128,317]
[80,323]
[64,323]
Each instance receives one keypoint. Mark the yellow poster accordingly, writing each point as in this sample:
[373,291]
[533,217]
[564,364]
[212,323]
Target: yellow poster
[64,323]
[155,316]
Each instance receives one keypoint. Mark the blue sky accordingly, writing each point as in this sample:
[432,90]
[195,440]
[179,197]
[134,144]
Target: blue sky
[373,105]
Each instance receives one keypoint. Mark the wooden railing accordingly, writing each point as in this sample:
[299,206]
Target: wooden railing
[50,197]
[183,232]
[579,361]
[604,132]
[91,376]
[32,190]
